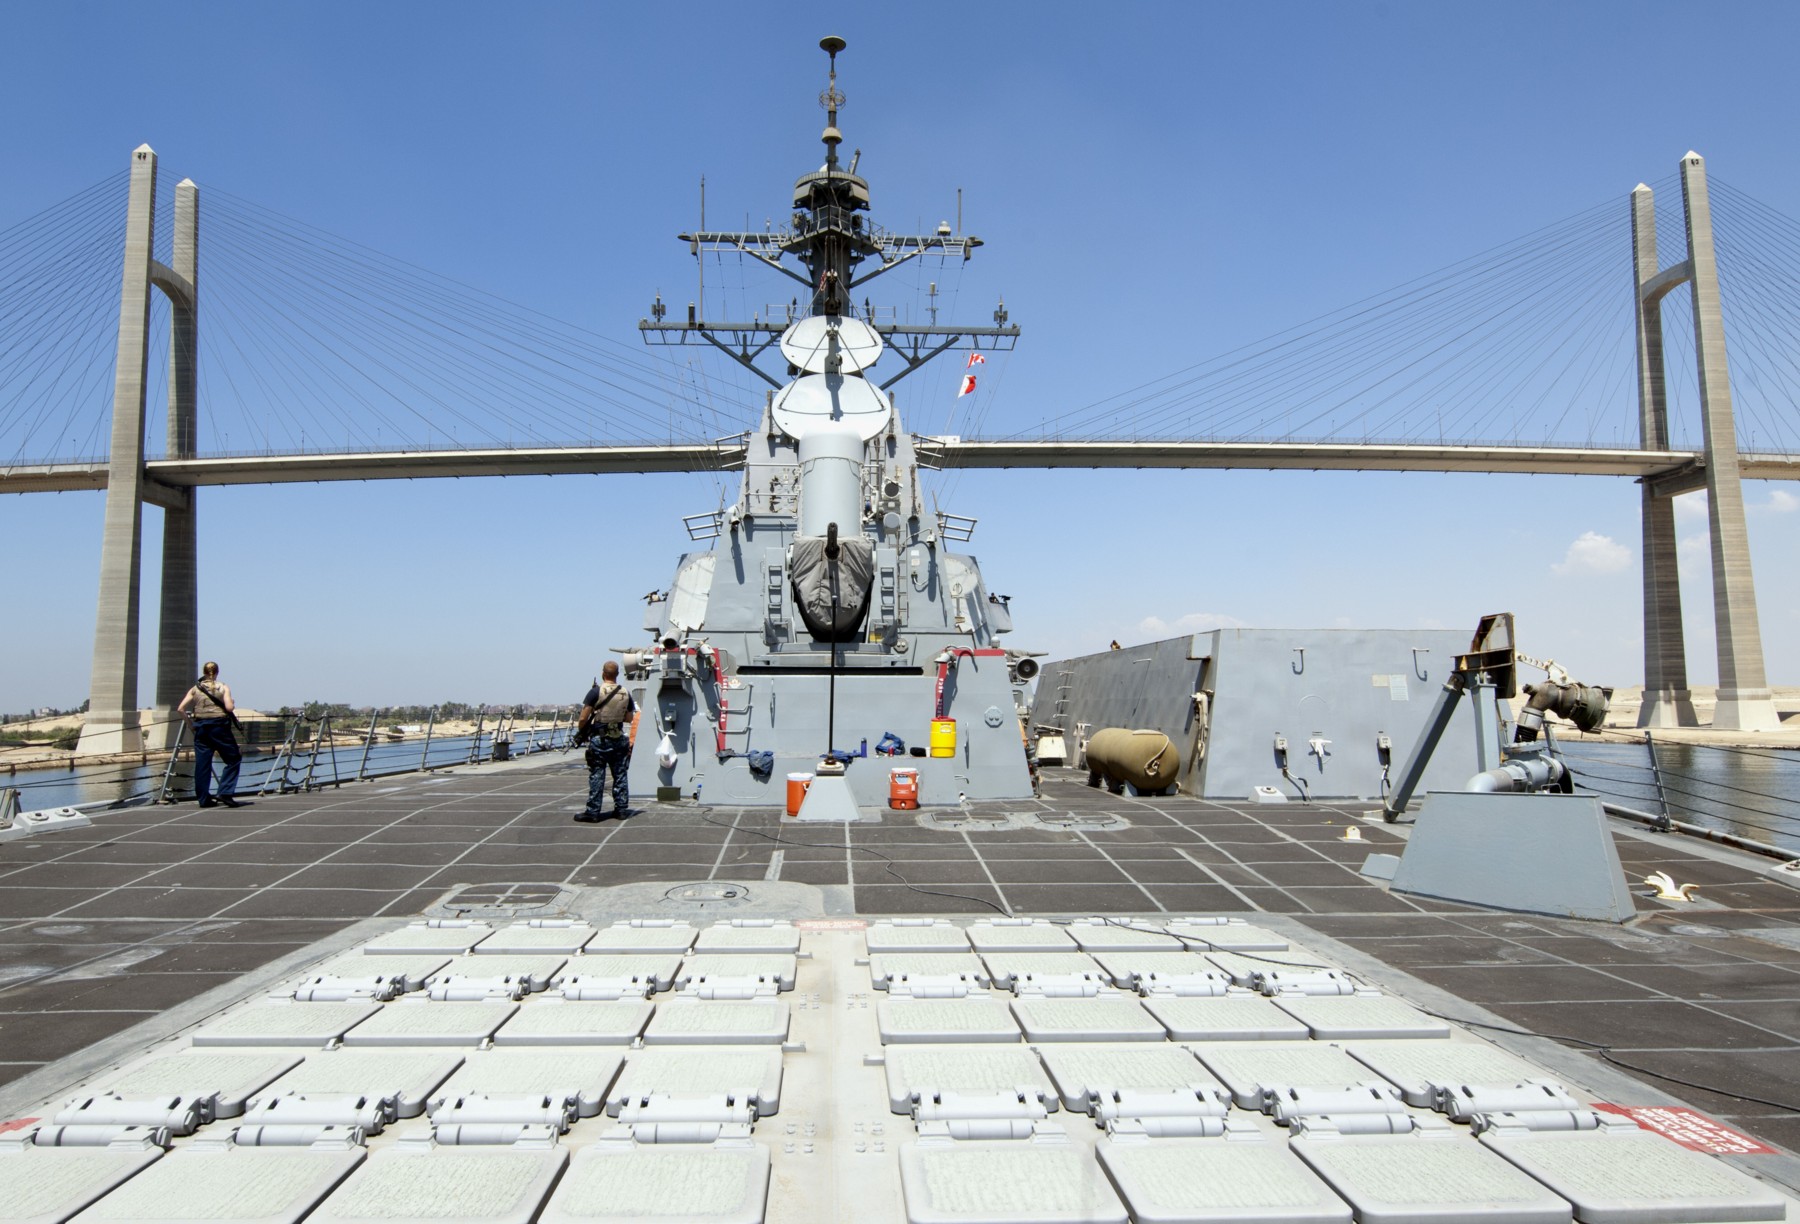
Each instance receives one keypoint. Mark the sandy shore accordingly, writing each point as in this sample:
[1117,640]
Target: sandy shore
[1621,722]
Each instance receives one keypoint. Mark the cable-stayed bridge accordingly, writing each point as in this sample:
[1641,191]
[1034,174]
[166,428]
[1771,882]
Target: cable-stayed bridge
[324,360]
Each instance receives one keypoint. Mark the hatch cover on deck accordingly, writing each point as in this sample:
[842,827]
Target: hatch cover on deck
[502,900]
[1079,822]
[716,894]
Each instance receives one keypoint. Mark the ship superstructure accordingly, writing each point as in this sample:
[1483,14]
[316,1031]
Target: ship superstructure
[829,614]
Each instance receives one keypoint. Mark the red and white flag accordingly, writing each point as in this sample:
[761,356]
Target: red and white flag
[968,386]
[975,359]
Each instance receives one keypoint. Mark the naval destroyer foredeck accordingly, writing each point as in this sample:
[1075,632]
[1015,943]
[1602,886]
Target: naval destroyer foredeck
[146,925]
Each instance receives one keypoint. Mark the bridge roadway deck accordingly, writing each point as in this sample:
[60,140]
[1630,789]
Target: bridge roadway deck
[116,935]
[1671,472]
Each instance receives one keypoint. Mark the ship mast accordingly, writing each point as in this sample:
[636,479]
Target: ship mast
[831,238]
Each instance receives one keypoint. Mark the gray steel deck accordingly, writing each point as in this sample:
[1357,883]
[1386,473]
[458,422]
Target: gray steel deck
[153,918]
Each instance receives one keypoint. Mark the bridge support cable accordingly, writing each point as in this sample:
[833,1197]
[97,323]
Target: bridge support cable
[383,355]
[58,296]
[1759,286]
[1521,345]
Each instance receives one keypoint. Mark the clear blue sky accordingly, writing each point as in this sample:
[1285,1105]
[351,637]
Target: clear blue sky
[1156,184]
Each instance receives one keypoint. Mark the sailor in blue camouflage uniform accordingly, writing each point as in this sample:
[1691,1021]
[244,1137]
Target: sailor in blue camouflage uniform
[606,718]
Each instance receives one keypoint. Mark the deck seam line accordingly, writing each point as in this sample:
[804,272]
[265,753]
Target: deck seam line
[1220,880]
[186,862]
[725,845]
[1135,882]
[982,863]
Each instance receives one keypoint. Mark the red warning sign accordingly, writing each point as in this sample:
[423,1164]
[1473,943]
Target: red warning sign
[1690,1128]
[16,1124]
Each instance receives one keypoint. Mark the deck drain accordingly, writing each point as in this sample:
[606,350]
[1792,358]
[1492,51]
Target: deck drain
[962,820]
[1699,930]
[1081,822]
[708,892]
[503,900]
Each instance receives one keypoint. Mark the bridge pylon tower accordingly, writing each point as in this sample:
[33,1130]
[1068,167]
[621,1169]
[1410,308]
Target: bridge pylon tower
[1744,702]
[113,722]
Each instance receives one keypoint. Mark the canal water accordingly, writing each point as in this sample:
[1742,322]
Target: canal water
[1752,792]
[266,771]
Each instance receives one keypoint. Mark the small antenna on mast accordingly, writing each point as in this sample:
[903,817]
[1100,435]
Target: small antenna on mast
[831,99]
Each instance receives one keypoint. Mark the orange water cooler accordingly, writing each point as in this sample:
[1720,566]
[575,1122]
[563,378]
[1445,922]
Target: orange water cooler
[796,791]
[903,789]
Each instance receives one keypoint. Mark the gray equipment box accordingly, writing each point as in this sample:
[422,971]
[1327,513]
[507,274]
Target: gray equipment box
[1535,854]
[1345,686]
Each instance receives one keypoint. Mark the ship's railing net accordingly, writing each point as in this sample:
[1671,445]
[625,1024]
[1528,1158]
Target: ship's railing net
[1745,792]
[303,753]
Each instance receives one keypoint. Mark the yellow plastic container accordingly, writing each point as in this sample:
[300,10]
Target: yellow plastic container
[943,737]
